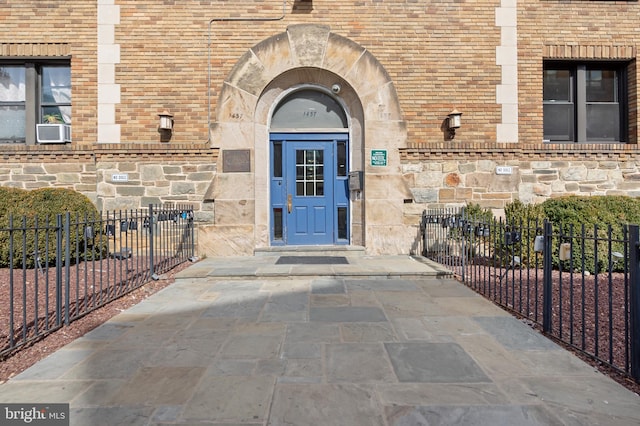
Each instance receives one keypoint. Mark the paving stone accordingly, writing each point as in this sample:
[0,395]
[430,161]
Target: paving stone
[270,367]
[132,416]
[493,357]
[327,286]
[102,364]
[486,415]
[407,304]
[513,334]
[55,365]
[99,392]
[469,306]
[109,331]
[251,347]
[368,332]
[414,329]
[166,413]
[47,391]
[384,284]
[347,314]
[303,368]
[302,350]
[446,288]
[409,394]
[239,305]
[358,363]
[433,363]
[553,362]
[329,300]
[323,404]
[231,367]
[230,399]
[286,307]
[586,394]
[158,386]
[313,332]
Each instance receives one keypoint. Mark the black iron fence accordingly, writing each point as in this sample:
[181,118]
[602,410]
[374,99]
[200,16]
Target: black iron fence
[580,285]
[55,271]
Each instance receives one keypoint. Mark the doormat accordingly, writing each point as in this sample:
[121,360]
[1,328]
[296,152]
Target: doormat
[312,260]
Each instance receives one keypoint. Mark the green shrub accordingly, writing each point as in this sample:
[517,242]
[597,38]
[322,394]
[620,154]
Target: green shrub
[591,217]
[24,210]
[574,218]
[475,212]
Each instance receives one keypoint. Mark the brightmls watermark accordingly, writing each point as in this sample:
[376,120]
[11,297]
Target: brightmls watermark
[34,414]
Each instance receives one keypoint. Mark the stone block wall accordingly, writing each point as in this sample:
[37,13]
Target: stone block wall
[436,178]
[155,174]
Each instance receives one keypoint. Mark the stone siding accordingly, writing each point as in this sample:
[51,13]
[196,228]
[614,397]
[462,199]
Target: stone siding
[437,179]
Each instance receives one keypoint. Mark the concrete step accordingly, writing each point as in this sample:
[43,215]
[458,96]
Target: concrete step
[310,251]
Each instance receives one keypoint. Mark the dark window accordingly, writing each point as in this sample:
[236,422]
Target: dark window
[342,223]
[341,159]
[584,102]
[277,224]
[277,159]
[32,93]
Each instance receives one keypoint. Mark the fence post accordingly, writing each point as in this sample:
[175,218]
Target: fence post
[634,305]
[59,236]
[67,266]
[547,281]
[192,233]
[151,248]
[463,240]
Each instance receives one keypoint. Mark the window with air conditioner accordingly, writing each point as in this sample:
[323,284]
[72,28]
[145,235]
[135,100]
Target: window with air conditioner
[35,102]
[585,102]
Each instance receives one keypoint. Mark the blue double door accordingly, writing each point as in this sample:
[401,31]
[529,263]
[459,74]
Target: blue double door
[309,189]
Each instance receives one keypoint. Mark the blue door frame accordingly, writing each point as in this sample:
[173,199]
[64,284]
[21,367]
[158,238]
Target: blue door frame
[309,189]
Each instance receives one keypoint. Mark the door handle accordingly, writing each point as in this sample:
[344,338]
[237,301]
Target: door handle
[289,203]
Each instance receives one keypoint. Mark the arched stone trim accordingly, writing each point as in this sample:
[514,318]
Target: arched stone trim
[309,55]
[303,46]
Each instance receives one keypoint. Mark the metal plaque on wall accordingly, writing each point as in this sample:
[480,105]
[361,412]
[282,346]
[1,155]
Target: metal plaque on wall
[236,161]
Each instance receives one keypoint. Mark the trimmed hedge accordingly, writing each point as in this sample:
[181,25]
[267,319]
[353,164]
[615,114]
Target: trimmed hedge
[24,208]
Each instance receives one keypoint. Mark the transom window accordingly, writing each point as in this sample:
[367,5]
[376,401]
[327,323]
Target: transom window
[584,102]
[32,93]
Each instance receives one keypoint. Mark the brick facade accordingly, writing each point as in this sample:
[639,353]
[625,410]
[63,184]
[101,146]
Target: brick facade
[219,67]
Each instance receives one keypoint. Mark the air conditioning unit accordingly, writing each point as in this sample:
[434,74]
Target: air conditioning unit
[53,133]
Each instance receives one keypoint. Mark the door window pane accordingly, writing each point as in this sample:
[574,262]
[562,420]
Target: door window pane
[309,173]
[277,159]
[342,223]
[277,224]
[342,159]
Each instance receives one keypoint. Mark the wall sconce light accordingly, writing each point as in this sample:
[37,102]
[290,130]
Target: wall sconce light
[166,120]
[454,122]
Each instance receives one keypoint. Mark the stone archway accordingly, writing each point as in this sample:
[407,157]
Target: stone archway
[303,55]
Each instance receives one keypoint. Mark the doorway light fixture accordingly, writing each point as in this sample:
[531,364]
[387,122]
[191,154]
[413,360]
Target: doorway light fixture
[166,120]
[454,122]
